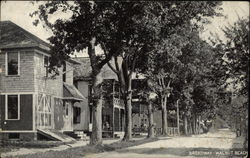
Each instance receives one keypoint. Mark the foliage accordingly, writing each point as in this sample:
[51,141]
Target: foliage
[233,57]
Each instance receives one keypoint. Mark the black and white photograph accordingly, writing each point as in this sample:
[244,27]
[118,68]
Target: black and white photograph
[124,79]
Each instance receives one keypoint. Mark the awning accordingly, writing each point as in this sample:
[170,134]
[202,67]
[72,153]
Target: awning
[70,92]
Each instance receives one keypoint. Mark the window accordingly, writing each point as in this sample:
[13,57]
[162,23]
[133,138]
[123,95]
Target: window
[46,64]
[64,72]
[46,61]
[77,115]
[66,108]
[14,136]
[12,107]
[90,114]
[12,59]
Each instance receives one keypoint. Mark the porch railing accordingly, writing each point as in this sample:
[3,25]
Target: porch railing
[118,102]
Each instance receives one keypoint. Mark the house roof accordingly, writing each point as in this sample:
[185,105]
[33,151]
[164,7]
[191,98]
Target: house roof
[70,92]
[13,36]
[84,70]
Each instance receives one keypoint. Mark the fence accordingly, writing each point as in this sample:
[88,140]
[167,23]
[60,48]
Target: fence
[171,131]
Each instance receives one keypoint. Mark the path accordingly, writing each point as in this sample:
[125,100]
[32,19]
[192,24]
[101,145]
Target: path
[176,147]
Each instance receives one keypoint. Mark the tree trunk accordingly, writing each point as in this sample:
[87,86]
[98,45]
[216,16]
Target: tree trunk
[199,125]
[178,117]
[190,126]
[151,133]
[128,112]
[96,136]
[185,124]
[193,125]
[164,116]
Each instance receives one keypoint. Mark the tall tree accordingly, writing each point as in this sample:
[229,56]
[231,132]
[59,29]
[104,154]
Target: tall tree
[149,29]
[89,24]
[232,68]
[128,29]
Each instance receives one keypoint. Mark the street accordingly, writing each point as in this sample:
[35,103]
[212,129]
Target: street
[177,147]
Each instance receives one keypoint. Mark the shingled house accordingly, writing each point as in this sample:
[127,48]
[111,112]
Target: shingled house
[113,106]
[32,102]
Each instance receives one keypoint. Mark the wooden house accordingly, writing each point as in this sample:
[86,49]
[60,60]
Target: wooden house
[140,112]
[113,106]
[32,102]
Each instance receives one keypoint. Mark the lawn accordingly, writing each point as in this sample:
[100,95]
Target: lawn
[79,152]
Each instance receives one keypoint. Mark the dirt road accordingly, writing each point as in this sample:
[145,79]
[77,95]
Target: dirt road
[206,145]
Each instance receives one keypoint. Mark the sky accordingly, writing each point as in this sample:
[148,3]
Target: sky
[18,12]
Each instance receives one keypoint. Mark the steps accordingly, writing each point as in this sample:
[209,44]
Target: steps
[119,134]
[81,135]
[55,135]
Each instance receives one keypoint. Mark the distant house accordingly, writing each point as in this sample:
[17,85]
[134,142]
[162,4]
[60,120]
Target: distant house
[32,103]
[113,107]
[140,112]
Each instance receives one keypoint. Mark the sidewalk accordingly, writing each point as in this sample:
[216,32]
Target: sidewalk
[27,151]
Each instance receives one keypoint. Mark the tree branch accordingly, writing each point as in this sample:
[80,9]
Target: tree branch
[133,67]
[109,64]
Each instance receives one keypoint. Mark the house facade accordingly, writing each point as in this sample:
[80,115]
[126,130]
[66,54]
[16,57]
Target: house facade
[113,113]
[140,120]
[32,100]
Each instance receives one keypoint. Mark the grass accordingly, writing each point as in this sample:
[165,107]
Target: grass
[31,144]
[8,145]
[79,152]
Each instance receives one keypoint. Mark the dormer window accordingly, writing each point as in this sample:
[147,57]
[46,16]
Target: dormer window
[12,63]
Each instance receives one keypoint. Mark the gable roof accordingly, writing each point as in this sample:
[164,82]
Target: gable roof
[70,92]
[84,70]
[13,36]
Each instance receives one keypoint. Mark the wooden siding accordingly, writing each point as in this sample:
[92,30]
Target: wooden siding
[63,122]
[24,82]
[26,114]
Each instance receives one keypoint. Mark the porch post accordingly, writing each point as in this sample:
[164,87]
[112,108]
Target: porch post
[113,120]
[119,117]
[113,110]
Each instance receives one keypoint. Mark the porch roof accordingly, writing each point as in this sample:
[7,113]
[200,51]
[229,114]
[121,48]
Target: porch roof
[70,92]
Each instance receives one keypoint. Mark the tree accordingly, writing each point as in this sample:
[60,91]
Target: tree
[236,54]
[151,30]
[127,29]
[143,91]
[233,65]
[90,24]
